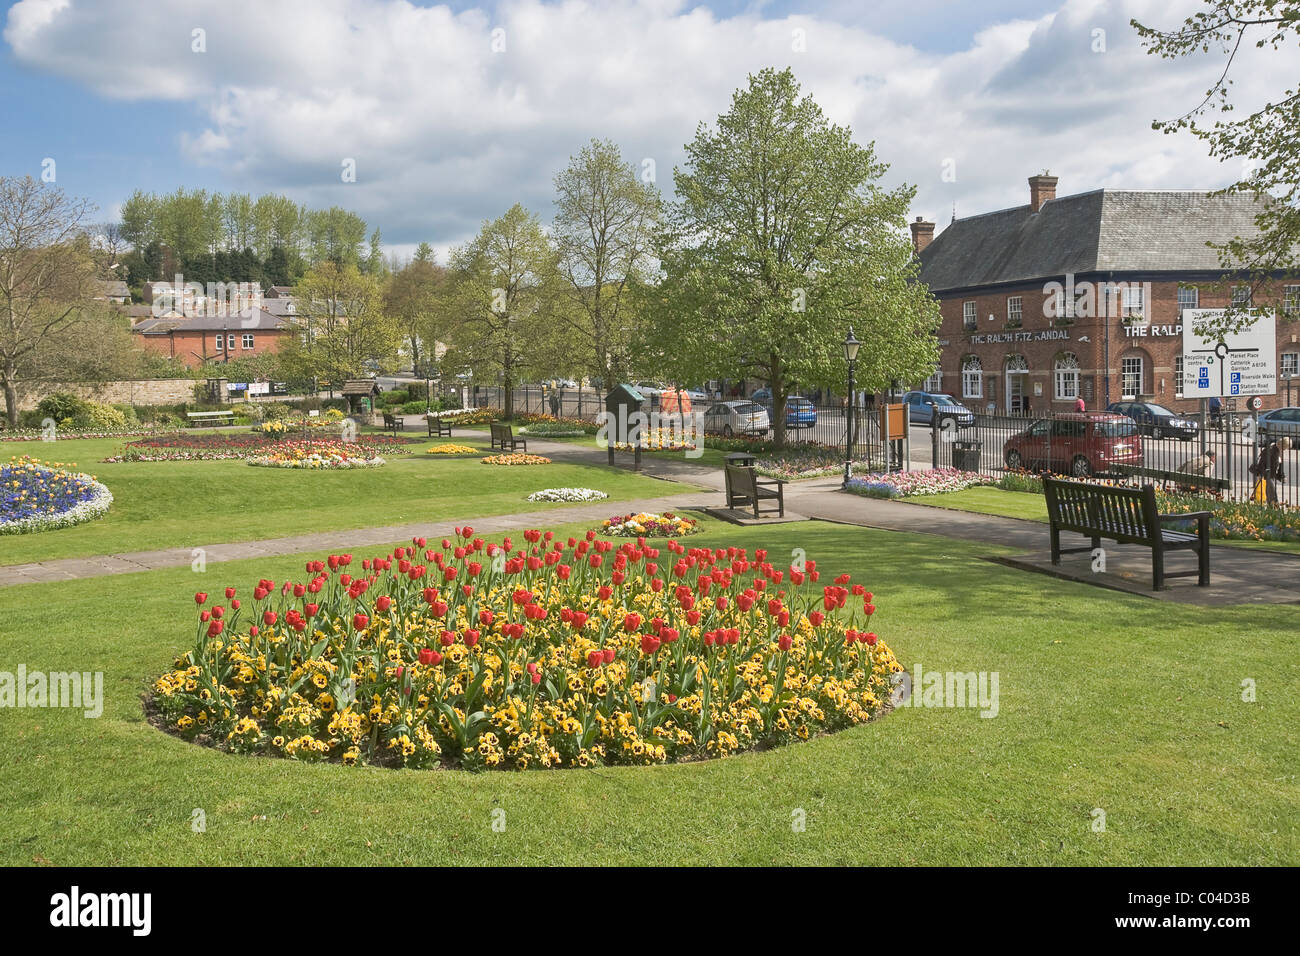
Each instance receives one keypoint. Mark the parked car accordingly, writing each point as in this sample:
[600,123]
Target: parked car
[736,418]
[1279,422]
[1076,443]
[1156,420]
[926,408]
[799,411]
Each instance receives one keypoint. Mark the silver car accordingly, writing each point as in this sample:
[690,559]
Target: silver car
[736,418]
[1280,422]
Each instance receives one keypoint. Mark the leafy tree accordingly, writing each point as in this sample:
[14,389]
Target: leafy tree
[424,252]
[47,273]
[781,239]
[345,332]
[412,296]
[603,231]
[500,290]
[1263,140]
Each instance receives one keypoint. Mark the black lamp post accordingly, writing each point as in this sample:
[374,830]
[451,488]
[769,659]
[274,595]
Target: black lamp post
[851,346]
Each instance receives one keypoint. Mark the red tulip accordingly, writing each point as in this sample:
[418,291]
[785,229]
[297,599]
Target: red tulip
[428,656]
[268,618]
[200,597]
[471,638]
[871,639]
[359,621]
[594,659]
[632,622]
[784,642]
[230,593]
[649,643]
[383,603]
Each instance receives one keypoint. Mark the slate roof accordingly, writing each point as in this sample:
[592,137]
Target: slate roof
[1100,231]
[255,320]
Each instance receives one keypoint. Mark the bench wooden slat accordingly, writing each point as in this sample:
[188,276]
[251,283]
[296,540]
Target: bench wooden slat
[503,437]
[745,488]
[1125,515]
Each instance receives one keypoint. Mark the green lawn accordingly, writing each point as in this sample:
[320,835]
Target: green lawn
[192,503]
[989,500]
[1107,701]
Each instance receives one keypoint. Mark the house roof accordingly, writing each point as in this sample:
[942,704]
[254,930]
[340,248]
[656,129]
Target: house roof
[1100,231]
[285,305]
[114,287]
[254,320]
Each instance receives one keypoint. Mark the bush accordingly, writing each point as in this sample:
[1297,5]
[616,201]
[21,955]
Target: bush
[413,408]
[398,396]
[96,416]
[60,406]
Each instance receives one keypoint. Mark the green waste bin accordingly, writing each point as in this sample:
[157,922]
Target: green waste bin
[966,455]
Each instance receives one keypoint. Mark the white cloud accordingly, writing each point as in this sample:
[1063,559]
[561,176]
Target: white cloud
[446,132]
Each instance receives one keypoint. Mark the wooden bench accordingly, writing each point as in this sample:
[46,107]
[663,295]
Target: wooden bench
[746,489]
[392,423]
[1181,478]
[211,418]
[439,428]
[1127,516]
[503,437]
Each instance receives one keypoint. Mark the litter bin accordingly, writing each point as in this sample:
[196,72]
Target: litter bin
[741,458]
[966,455]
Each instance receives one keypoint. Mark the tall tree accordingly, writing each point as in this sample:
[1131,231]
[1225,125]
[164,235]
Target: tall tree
[781,239]
[1263,140]
[412,297]
[345,331]
[603,231]
[47,276]
[500,288]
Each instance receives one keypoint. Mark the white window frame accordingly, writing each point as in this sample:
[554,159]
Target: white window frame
[1190,292]
[1066,377]
[934,383]
[1291,300]
[1242,301]
[1124,377]
[247,341]
[972,373]
[230,342]
[221,341]
[1015,311]
[1178,375]
[1132,299]
[969,318]
[1290,363]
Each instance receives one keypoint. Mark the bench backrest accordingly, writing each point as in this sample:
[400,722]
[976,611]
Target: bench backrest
[500,431]
[1123,512]
[742,481]
[209,414]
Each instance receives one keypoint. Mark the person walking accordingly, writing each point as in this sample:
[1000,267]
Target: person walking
[1080,405]
[1267,470]
[1202,465]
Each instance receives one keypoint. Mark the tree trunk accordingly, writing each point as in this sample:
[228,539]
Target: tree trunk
[777,387]
[11,398]
[508,399]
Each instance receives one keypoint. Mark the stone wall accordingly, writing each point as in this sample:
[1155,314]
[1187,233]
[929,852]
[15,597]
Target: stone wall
[161,391]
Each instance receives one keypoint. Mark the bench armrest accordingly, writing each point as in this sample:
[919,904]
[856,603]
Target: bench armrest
[768,481]
[1185,516]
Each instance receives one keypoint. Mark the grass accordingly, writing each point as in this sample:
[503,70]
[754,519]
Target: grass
[1107,701]
[990,500]
[191,503]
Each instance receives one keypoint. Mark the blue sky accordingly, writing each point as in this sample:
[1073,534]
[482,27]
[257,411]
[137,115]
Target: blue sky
[963,99]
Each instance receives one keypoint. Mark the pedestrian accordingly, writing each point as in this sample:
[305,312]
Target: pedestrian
[1267,470]
[1202,465]
[555,403]
[1216,412]
[1080,405]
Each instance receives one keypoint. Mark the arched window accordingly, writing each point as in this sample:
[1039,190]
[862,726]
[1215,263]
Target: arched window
[1067,377]
[972,378]
[1016,364]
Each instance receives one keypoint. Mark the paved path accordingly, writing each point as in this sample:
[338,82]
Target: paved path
[1240,576]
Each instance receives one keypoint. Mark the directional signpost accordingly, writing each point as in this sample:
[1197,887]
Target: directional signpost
[1243,363]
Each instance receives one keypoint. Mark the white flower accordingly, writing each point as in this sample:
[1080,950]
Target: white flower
[567,494]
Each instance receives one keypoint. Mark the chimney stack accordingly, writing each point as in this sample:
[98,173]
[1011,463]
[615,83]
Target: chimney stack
[922,234]
[1041,189]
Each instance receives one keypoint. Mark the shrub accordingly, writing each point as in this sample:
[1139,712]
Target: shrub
[60,406]
[96,416]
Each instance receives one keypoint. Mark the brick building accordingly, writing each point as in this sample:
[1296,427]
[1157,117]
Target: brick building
[197,340]
[1082,296]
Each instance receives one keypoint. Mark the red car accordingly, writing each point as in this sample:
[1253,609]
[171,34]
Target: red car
[1075,443]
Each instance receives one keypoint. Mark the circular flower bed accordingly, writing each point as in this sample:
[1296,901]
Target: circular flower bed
[38,496]
[567,494]
[451,449]
[555,654]
[227,446]
[666,525]
[516,459]
[316,455]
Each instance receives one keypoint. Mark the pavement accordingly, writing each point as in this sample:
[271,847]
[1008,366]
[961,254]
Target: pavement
[1238,575]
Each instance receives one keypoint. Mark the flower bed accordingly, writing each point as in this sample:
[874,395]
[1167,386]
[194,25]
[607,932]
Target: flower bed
[280,427]
[907,484]
[662,439]
[555,654]
[317,455]
[451,449]
[182,446]
[40,496]
[68,434]
[517,458]
[567,494]
[555,426]
[646,524]
[551,430]
[468,416]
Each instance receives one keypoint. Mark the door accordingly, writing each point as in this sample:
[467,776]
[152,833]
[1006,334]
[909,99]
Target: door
[1017,404]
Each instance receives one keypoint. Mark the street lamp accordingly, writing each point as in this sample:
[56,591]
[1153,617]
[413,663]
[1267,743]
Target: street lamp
[851,346]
